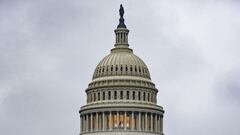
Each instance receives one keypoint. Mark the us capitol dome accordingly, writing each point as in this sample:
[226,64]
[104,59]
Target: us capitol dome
[121,98]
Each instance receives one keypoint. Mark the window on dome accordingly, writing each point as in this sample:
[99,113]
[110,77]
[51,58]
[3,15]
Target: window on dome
[116,68]
[121,68]
[94,96]
[139,69]
[115,125]
[154,125]
[115,94]
[121,94]
[152,97]
[133,95]
[148,97]
[142,121]
[98,95]
[100,121]
[139,95]
[112,68]
[144,96]
[148,121]
[128,120]
[109,95]
[131,69]
[103,96]
[126,68]
[121,120]
[94,121]
[108,120]
[127,94]
[134,121]
[89,123]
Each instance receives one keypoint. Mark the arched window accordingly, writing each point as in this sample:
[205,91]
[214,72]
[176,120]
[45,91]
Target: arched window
[94,96]
[115,94]
[109,95]
[99,96]
[121,94]
[133,95]
[112,68]
[127,94]
[103,95]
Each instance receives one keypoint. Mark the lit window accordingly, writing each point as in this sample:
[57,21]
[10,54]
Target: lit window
[128,121]
[121,120]
[115,125]
[108,120]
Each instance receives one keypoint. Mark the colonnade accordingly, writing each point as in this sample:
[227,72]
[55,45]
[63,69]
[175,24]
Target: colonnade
[121,120]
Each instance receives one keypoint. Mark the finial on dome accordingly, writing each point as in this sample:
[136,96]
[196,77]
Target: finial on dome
[121,20]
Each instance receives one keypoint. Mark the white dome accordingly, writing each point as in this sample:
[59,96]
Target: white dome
[121,62]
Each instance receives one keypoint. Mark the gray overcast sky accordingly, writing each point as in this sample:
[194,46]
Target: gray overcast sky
[49,49]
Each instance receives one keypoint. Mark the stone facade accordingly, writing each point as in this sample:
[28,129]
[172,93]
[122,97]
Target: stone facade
[121,99]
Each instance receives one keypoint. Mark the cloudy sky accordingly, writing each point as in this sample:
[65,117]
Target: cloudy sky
[49,49]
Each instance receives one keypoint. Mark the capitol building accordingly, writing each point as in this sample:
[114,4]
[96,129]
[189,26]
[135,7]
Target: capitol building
[121,98]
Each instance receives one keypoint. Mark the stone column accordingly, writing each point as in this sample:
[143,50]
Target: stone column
[151,122]
[111,122]
[132,121]
[91,121]
[139,121]
[81,124]
[161,124]
[155,121]
[96,121]
[125,123]
[85,123]
[87,128]
[103,121]
[158,125]
[146,120]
